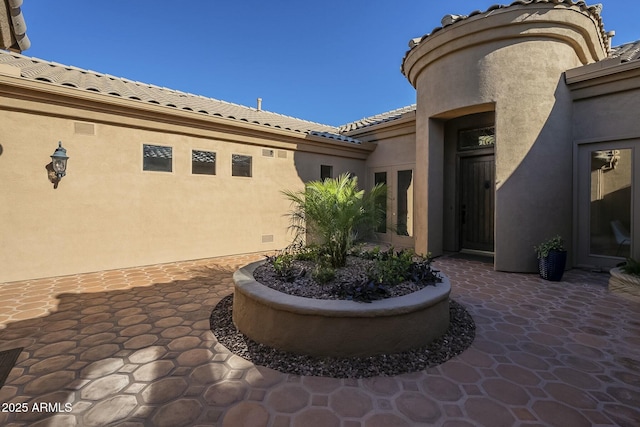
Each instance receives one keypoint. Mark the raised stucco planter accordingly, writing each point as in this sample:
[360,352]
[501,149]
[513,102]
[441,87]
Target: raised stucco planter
[338,328]
[624,284]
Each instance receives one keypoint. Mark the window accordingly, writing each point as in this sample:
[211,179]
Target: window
[477,138]
[611,201]
[404,199]
[326,172]
[157,158]
[240,165]
[381,178]
[203,162]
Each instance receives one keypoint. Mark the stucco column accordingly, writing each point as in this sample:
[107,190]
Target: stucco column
[511,60]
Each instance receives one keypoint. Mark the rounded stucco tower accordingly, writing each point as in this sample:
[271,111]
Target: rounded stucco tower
[493,127]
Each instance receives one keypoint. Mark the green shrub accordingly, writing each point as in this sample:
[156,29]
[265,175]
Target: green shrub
[323,274]
[422,272]
[308,253]
[334,213]
[283,266]
[631,267]
[364,290]
[371,254]
[554,244]
[390,267]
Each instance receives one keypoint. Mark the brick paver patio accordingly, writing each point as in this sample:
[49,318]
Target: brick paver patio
[133,347]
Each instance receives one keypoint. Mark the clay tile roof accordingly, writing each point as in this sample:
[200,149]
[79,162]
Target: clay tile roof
[626,52]
[448,20]
[379,118]
[63,75]
[13,28]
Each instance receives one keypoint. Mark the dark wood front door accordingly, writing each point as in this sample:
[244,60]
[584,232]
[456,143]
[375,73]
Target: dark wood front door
[477,201]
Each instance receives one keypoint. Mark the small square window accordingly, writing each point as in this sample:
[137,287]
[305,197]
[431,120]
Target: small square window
[203,162]
[326,172]
[157,158]
[240,165]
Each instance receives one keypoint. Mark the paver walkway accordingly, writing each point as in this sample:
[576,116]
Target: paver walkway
[133,347]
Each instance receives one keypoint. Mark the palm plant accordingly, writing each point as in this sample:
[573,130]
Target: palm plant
[334,213]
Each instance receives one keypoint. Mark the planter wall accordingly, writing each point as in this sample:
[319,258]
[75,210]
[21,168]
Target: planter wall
[334,327]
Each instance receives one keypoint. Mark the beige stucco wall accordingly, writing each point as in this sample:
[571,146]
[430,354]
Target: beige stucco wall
[606,101]
[395,142]
[606,98]
[510,61]
[395,151]
[108,213]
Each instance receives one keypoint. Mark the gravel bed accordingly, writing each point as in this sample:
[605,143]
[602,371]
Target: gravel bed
[304,285]
[458,338]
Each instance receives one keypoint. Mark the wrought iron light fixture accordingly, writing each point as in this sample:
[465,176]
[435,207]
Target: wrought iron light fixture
[59,161]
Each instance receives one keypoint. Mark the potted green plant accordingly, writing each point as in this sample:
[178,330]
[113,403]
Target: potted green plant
[625,279]
[552,258]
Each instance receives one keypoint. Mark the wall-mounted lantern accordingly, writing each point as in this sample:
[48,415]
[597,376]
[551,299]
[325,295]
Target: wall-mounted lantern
[59,161]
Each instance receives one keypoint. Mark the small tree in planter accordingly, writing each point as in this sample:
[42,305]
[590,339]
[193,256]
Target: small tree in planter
[552,259]
[334,212]
[626,279]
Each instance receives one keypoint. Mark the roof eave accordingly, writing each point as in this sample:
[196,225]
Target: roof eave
[406,118]
[607,67]
[64,96]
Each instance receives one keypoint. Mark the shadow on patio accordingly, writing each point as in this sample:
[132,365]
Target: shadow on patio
[134,346]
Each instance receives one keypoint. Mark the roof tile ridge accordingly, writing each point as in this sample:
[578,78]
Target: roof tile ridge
[593,10]
[376,118]
[253,109]
[165,89]
[299,119]
[386,113]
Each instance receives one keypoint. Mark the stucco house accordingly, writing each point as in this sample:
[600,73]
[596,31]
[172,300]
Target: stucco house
[524,127]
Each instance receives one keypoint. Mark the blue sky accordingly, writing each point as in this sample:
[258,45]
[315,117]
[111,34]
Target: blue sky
[330,61]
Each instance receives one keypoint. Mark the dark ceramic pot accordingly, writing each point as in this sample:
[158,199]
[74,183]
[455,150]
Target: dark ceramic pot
[552,266]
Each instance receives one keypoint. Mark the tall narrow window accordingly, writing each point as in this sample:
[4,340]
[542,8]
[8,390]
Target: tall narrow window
[203,162]
[326,172]
[611,202]
[381,178]
[405,203]
[241,165]
[157,158]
